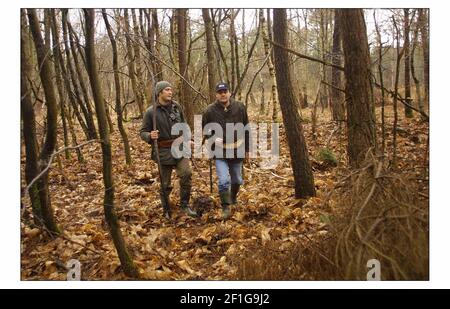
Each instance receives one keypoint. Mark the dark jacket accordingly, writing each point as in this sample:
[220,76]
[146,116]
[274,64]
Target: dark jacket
[166,117]
[235,113]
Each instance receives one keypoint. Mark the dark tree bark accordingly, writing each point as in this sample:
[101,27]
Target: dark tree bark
[149,41]
[29,126]
[212,71]
[185,91]
[65,75]
[46,74]
[407,79]
[84,90]
[380,72]
[77,80]
[60,77]
[108,202]
[360,117]
[148,37]
[122,131]
[57,60]
[303,176]
[337,97]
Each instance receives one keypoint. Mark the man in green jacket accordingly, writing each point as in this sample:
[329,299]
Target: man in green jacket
[168,114]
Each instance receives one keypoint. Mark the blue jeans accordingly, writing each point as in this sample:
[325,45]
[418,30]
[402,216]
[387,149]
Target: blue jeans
[226,169]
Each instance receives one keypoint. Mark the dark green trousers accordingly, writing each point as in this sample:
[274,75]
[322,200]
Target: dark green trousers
[184,172]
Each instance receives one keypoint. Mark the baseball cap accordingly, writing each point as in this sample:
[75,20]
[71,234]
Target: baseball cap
[222,86]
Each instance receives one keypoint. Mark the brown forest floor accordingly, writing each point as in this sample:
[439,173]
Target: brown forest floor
[190,249]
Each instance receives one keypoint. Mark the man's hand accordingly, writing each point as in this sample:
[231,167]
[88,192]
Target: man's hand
[154,134]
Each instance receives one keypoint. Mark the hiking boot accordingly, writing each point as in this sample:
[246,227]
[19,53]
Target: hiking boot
[226,201]
[234,192]
[226,212]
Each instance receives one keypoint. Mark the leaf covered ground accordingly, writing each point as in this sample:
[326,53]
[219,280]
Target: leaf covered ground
[205,248]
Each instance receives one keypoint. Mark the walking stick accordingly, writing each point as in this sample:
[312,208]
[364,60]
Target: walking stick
[210,177]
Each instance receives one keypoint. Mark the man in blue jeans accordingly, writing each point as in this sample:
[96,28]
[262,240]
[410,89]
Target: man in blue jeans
[230,146]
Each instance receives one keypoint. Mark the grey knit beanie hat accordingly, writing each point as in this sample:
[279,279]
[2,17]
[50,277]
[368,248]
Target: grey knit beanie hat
[160,86]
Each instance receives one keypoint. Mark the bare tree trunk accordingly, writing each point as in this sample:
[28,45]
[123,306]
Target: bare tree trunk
[360,117]
[155,26]
[212,71]
[46,74]
[59,86]
[406,27]
[314,109]
[397,73]
[338,98]
[413,69]
[185,90]
[84,90]
[108,202]
[131,64]
[303,176]
[323,39]
[29,126]
[216,28]
[265,36]
[122,130]
[137,55]
[149,37]
[423,22]
[305,88]
[261,86]
[380,71]
[108,117]
[241,77]
[59,70]
[77,81]
[233,37]
[70,93]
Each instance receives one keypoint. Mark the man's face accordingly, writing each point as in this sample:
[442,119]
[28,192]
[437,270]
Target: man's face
[166,94]
[223,96]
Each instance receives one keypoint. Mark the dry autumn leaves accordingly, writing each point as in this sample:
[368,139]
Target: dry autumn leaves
[207,248]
